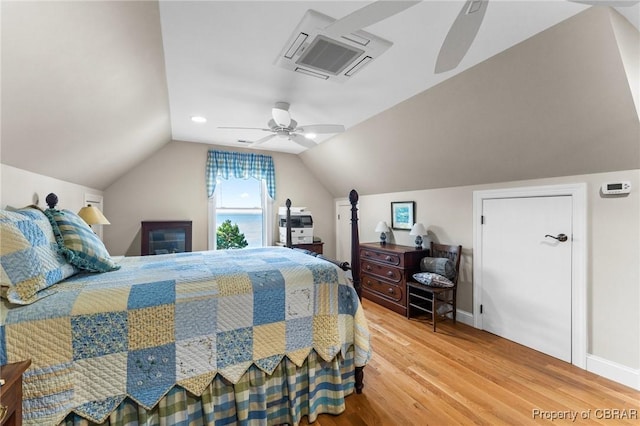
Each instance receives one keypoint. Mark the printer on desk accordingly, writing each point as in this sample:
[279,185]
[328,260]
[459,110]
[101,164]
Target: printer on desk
[301,225]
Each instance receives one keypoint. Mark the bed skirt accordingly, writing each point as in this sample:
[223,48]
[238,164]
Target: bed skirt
[284,397]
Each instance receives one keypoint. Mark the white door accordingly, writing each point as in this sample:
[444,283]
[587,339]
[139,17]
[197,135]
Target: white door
[343,232]
[526,272]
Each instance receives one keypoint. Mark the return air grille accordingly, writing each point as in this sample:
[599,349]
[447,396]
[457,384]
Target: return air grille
[338,57]
[328,55]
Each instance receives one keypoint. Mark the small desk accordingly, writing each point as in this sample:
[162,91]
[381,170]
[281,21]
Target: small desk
[11,393]
[315,247]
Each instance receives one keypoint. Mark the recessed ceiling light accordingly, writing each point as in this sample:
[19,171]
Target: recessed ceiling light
[310,135]
[198,119]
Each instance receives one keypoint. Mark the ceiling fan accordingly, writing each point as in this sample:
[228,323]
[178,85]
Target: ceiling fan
[282,125]
[460,36]
[466,26]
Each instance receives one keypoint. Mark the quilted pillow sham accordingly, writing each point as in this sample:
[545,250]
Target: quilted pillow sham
[433,280]
[78,243]
[29,258]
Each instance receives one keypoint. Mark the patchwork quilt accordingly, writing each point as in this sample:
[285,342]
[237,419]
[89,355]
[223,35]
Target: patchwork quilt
[177,320]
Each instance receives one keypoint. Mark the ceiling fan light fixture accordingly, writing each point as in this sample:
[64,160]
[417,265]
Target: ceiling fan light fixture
[280,113]
[310,136]
[198,119]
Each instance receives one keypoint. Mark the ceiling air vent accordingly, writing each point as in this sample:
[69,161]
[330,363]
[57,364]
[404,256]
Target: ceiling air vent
[311,52]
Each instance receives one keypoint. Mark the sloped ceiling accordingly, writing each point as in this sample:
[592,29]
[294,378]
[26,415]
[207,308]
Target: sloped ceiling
[84,92]
[87,91]
[557,104]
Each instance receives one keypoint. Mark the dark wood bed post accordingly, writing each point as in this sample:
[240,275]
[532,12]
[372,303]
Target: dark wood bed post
[52,200]
[288,242]
[355,269]
[355,243]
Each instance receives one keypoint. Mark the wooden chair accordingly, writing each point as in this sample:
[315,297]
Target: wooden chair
[428,298]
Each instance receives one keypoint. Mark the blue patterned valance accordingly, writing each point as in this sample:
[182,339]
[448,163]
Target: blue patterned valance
[240,165]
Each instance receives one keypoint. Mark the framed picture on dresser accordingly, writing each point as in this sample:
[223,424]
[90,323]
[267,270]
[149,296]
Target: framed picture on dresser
[402,214]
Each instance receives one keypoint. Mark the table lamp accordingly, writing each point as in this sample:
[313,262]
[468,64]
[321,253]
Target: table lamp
[382,228]
[93,216]
[418,230]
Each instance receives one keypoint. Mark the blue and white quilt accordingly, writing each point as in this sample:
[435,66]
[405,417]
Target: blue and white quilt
[176,319]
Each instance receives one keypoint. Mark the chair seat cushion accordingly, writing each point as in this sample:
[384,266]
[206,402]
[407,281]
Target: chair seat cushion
[438,265]
[432,279]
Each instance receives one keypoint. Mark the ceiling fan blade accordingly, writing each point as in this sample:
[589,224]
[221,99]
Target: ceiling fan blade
[280,114]
[245,128]
[321,128]
[367,15]
[461,35]
[263,140]
[302,141]
[614,3]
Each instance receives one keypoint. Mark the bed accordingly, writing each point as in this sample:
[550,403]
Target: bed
[251,336]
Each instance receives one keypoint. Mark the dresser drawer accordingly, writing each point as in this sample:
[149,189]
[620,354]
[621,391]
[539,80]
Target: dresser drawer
[383,271]
[382,288]
[380,256]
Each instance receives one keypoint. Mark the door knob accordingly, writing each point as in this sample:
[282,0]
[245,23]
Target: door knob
[561,237]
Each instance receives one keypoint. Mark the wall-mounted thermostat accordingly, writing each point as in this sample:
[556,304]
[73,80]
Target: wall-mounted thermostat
[614,188]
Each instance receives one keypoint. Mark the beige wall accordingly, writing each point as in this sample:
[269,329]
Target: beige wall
[170,185]
[557,104]
[613,275]
[20,188]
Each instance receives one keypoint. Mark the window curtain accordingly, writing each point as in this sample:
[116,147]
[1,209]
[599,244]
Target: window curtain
[240,165]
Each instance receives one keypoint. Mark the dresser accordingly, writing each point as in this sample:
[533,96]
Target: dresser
[384,270]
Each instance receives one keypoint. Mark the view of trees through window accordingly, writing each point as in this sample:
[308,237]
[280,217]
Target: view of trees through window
[239,213]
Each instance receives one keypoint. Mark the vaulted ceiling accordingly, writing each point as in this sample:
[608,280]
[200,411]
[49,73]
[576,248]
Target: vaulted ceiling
[90,89]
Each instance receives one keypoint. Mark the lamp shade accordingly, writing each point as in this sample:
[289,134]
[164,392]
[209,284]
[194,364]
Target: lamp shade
[382,227]
[417,229]
[93,216]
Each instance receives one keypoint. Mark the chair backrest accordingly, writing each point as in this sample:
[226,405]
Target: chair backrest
[451,252]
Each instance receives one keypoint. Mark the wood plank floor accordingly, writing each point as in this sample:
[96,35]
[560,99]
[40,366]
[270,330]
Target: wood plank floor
[461,375]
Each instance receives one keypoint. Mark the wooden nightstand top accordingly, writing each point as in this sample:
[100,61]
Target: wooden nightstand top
[11,392]
[391,247]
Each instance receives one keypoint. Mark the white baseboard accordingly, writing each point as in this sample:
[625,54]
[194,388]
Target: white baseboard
[464,317]
[602,367]
[614,371]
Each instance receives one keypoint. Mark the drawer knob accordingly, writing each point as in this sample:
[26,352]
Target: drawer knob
[366,253]
[368,267]
[390,290]
[388,258]
[389,273]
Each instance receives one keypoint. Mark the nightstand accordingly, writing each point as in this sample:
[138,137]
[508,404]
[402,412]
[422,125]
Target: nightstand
[384,269]
[314,247]
[11,393]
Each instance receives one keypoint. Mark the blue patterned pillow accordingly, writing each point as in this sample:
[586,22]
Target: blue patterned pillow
[78,243]
[432,280]
[438,265]
[29,258]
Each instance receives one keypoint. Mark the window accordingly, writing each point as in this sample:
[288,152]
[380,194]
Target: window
[233,168]
[242,202]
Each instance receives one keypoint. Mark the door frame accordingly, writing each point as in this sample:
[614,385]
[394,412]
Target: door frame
[343,202]
[578,193]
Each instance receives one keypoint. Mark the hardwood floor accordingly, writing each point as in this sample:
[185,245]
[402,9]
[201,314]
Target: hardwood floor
[461,375]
